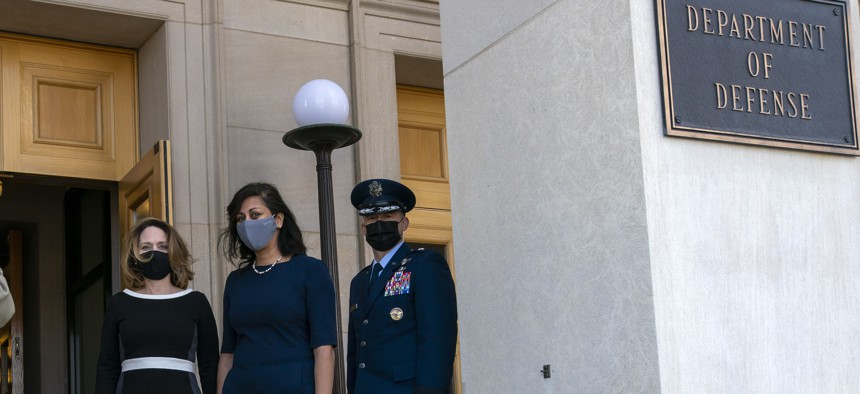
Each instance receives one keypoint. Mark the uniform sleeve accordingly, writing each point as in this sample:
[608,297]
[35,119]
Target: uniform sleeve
[436,314]
[109,367]
[350,341]
[228,340]
[320,306]
[207,347]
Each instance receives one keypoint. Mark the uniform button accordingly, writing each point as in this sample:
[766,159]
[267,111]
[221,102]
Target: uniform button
[363,343]
[364,322]
[361,365]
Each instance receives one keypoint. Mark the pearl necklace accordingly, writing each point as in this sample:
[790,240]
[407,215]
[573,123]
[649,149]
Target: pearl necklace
[254,266]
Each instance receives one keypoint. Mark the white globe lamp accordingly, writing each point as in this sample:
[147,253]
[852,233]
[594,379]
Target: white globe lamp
[320,101]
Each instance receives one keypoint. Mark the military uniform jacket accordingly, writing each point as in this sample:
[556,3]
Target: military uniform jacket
[403,332]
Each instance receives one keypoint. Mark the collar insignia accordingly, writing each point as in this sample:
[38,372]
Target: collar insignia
[401,266]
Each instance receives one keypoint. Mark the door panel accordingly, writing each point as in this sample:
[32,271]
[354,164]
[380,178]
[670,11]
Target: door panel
[69,109]
[423,145]
[146,190]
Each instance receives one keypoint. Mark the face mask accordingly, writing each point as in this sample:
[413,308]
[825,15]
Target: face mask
[382,235]
[256,234]
[157,267]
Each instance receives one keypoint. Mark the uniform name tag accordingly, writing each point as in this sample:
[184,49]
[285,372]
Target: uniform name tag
[398,284]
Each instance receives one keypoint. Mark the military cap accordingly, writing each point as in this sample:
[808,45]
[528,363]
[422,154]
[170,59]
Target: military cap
[375,196]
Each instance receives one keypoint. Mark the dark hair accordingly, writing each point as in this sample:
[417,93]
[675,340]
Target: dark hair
[289,236]
[177,253]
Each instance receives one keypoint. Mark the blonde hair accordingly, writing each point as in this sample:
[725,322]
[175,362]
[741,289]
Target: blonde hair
[177,252]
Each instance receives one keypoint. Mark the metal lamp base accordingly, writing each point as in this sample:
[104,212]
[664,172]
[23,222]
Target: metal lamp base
[315,136]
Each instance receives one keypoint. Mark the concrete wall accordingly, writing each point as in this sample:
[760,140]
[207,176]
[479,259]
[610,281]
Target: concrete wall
[754,254]
[548,198]
[736,265]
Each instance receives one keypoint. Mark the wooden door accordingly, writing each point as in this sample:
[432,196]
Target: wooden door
[146,190]
[424,169]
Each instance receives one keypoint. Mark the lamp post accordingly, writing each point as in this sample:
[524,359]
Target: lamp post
[320,108]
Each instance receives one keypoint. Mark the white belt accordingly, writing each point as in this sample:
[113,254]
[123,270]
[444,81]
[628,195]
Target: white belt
[157,363]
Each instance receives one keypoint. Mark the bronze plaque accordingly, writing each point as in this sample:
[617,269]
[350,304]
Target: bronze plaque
[764,72]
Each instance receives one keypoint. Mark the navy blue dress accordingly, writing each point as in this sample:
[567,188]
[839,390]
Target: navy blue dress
[272,323]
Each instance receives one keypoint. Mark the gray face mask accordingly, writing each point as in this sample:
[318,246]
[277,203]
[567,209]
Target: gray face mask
[256,234]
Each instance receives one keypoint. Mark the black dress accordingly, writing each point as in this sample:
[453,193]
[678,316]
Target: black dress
[150,342]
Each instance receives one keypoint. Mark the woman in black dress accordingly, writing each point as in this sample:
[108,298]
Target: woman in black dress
[154,329]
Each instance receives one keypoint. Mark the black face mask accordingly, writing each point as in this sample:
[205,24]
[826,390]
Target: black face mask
[382,235]
[157,267]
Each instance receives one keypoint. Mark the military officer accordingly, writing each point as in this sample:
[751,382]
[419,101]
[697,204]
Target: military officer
[403,309]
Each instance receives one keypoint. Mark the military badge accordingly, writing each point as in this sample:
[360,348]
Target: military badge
[403,264]
[375,189]
[396,314]
[398,284]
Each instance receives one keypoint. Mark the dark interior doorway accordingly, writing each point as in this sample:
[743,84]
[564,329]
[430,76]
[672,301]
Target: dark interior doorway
[69,228]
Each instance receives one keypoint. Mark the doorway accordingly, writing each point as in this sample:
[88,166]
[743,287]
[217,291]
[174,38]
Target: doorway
[88,259]
[67,246]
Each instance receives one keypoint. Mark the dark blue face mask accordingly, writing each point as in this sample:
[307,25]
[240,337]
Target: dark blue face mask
[156,266]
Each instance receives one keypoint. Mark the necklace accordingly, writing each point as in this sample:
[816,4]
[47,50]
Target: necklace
[254,266]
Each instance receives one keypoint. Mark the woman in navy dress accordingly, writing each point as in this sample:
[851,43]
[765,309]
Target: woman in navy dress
[279,304]
[155,329]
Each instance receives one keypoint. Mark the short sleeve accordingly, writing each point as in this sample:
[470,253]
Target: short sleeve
[320,303]
[228,340]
